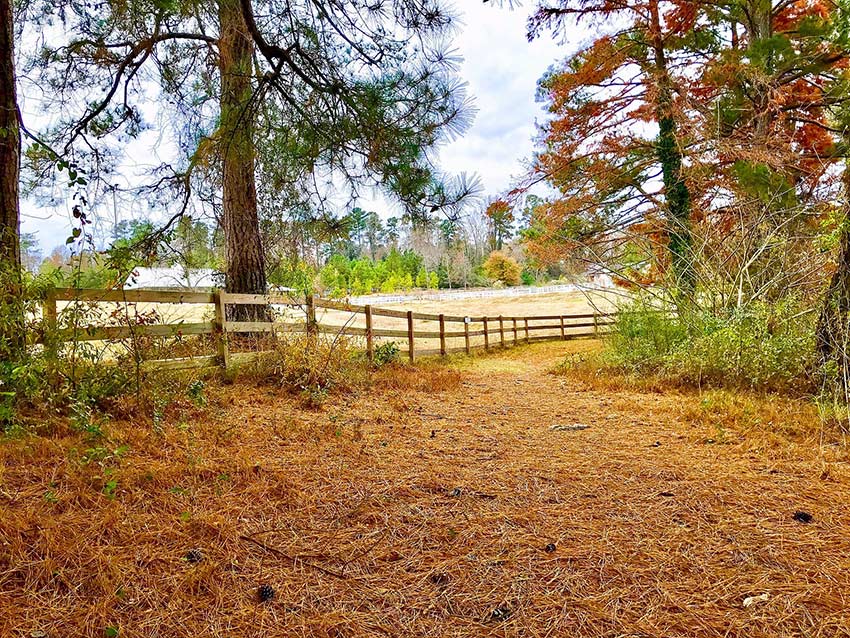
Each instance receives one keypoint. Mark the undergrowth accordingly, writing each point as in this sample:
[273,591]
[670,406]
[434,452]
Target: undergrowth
[763,347]
[310,365]
[732,413]
[48,375]
[315,367]
[751,366]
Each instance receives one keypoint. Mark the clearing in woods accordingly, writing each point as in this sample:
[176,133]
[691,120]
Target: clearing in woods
[438,504]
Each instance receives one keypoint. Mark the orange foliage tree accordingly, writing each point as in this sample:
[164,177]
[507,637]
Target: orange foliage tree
[501,267]
[689,117]
[614,148]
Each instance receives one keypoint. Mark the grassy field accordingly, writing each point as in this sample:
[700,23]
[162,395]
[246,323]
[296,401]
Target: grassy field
[507,305]
[523,306]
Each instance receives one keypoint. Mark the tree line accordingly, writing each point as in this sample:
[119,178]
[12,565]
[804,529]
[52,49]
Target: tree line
[355,254]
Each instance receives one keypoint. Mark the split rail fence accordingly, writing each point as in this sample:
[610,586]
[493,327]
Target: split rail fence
[473,332]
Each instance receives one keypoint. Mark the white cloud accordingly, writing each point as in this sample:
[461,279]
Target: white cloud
[502,69]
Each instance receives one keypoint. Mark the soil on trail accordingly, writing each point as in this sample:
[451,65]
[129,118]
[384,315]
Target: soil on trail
[441,503]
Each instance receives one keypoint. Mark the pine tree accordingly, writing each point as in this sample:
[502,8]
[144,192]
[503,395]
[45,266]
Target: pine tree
[303,90]
[11,307]
[422,278]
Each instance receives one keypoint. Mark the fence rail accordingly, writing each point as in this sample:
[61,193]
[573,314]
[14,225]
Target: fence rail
[300,316]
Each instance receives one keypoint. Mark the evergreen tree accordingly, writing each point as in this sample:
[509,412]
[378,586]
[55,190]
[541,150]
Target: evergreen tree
[11,307]
[297,91]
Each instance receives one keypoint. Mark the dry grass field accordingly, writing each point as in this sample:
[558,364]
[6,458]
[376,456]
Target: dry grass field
[520,306]
[437,502]
[527,305]
[509,306]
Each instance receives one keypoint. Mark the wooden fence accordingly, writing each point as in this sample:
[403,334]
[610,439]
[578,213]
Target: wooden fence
[497,331]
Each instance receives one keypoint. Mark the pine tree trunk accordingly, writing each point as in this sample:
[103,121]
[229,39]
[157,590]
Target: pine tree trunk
[833,329]
[244,258]
[10,146]
[677,195]
[11,303]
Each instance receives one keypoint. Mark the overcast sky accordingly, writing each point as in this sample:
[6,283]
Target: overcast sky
[501,69]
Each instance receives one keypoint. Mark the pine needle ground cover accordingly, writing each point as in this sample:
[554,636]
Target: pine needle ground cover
[440,502]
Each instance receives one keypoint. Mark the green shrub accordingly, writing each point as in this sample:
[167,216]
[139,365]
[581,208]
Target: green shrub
[386,353]
[388,285]
[407,282]
[642,337]
[27,372]
[761,346]
[53,374]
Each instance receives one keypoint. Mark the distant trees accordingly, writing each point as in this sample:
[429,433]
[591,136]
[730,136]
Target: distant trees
[393,230]
[396,271]
[363,232]
[30,252]
[193,245]
[501,218]
[189,244]
[358,253]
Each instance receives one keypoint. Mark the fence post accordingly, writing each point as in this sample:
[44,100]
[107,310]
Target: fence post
[410,335]
[563,332]
[466,333]
[370,350]
[221,327]
[48,311]
[515,340]
[527,340]
[486,335]
[502,331]
[311,315]
[595,325]
[442,335]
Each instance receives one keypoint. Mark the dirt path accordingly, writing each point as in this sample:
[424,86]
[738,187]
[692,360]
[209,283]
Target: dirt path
[444,512]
